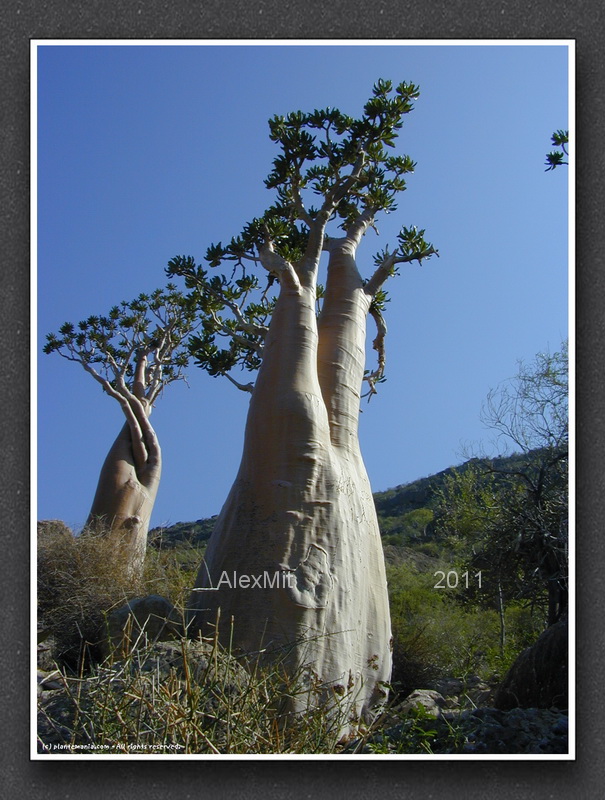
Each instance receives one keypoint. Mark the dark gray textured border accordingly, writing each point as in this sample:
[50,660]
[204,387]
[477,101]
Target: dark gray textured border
[21,20]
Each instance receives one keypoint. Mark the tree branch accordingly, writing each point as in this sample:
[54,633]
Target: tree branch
[139,383]
[244,387]
[342,186]
[145,444]
[361,224]
[138,449]
[243,324]
[303,214]
[234,335]
[378,344]
[278,266]
[385,268]
[384,271]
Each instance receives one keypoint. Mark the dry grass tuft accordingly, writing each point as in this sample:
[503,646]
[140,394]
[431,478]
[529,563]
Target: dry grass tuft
[185,697]
[82,578]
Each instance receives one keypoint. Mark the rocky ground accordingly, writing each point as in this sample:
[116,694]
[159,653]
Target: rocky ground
[454,716]
[458,719]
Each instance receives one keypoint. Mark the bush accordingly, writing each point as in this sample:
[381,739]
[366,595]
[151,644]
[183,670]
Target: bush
[523,627]
[434,636]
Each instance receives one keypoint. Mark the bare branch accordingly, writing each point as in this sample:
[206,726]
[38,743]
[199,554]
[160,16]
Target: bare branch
[383,271]
[303,214]
[245,325]
[244,387]
[139,383]
[139,451]
[278,266]
[144,439]
[364,221]
[234,335]
[378,344]
[342,186]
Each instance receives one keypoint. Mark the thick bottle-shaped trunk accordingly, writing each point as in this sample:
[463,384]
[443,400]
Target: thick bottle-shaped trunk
[125,497]
[295,560]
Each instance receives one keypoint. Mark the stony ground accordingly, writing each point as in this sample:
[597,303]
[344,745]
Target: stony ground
[454,716]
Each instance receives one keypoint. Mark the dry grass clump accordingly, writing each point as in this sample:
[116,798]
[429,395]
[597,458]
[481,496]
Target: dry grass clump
[82,578]
[78,579]
[188,697]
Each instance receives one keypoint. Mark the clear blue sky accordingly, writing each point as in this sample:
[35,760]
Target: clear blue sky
[145,152]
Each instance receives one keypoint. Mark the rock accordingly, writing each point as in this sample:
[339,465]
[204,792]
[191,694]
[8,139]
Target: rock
[538,678]
[431,700]
[45,655]
[519,731]
[204,665]
[56,716]
[471,691]
[449,687]
[140,621]
[49,680]
[480,731]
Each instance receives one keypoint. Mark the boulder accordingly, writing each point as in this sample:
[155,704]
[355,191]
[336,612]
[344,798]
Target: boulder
[431,701]
[538,678]
[479,731]
[195,660]
[471,691]
[535,731]
[139,622]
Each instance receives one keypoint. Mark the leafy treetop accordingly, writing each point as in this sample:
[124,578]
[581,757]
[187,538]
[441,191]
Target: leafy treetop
[342,164]
[137,349]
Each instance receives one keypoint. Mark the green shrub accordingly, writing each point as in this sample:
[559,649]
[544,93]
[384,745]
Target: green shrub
[434,635]
[522,628]
[420,732]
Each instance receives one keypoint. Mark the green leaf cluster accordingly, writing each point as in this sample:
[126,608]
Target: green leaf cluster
[156,325]
[555,158]
[319,152]
[234,323]
[411,246]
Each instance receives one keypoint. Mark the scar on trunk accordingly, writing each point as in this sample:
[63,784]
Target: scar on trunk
[310,584]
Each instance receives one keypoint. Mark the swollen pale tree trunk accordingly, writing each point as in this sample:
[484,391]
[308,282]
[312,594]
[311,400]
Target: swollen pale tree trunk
[295,559]
[134,352]
[129,481]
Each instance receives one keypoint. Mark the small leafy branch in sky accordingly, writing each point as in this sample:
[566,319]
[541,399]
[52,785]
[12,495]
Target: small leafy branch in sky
[555,157]
[411,246]
[137,349]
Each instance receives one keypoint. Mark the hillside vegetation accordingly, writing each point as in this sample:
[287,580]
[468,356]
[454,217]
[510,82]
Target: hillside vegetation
[454,611]
[464,602]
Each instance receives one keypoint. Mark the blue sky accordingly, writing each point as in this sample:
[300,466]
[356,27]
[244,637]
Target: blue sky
[146,152]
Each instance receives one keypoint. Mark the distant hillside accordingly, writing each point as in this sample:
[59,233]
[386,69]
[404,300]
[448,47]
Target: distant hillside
[191,533]
[421,493]
[404,512]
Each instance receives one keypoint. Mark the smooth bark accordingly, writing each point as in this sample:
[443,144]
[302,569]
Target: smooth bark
[128,484]
[301,509]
